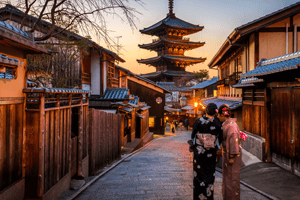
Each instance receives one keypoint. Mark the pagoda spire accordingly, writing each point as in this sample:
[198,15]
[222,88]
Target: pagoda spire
[171,6]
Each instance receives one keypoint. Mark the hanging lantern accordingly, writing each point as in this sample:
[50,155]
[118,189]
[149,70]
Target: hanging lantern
[182,101]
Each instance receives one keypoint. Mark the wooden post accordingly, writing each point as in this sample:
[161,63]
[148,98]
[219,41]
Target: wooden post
[56,155]
[24,138]
[87,124]
[40,189]
[267,115]
[79,151]
[69,132]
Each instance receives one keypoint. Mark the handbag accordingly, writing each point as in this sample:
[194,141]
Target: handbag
[192,144]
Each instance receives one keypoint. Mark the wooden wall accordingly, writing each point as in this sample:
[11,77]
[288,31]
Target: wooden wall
[48,143]
[285,114]
[256,114]
[149,96]
[142,124]
[11,142]
[104,138]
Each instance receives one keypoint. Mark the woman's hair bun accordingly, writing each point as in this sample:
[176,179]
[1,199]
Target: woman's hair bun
[211,109]
[224,109]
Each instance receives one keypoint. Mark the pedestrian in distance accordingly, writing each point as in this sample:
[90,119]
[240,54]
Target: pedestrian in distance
[206,134]
[172,127]
[231,155]
[186,124]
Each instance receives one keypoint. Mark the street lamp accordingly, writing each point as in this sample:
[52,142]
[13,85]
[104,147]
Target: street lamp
[196,104]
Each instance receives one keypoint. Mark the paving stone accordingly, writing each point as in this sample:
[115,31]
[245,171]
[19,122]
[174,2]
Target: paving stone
[162,170]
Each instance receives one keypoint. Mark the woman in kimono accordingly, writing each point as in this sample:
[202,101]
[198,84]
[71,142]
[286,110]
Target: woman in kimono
[231,155]
[207,131]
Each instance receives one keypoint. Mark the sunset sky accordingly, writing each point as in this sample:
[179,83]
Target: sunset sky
[219,19]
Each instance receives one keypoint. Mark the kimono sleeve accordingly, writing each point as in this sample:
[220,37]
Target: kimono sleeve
[195,128]
[234,139]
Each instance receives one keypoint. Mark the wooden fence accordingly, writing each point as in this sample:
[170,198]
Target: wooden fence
[11,140]
[104,138]
[53,120]
[142,124]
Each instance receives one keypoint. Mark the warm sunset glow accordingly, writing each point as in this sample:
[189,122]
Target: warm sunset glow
[217,27]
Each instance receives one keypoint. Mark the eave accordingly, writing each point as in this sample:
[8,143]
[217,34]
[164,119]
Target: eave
[190,45]
[161,58]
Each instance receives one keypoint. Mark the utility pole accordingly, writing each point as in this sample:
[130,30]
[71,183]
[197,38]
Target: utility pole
[118,46]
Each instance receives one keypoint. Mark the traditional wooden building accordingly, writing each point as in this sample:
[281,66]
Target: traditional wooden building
[173,98]
[270,36]
[271,111]
[170,47]
[99,70]
[150,93]
[15,45]
[208,88]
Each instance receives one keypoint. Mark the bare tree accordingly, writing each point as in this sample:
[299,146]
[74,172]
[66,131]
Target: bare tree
[87,17]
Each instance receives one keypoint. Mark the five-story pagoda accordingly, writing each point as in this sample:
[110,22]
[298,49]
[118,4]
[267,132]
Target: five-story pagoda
[170,47]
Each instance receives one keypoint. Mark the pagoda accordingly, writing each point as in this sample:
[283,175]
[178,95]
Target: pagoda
[170,47]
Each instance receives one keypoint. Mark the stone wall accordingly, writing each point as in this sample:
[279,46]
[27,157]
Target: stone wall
[255,145]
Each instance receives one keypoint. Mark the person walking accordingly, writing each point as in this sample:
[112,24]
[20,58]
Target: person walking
[231,155]
[206,131]
[186,123]
[172,127]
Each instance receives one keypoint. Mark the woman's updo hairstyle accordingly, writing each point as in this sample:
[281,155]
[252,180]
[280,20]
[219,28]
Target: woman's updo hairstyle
[211,109]
[225,110]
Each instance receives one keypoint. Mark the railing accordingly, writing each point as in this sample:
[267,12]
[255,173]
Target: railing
[234,78]
[224,81]
[155,40]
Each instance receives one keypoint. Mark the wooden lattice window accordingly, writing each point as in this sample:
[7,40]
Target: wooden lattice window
[252,95]
[111,70]
[7,72]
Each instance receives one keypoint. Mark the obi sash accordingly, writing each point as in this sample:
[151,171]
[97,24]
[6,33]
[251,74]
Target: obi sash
[207,140]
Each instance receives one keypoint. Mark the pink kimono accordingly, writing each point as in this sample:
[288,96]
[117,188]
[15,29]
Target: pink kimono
[231,172]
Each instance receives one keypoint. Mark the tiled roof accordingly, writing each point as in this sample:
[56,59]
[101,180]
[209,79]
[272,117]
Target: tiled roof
[168,73]
[171,57]
[12,28]
[170,86]
[141,78]
[134,101]
[268,15]
[275,65]
[205,84]
[10,10]
[116,94]
[55,90]
[9,61]
[233,104]
[167,40]
[187,108]
[247,82]
[174,22]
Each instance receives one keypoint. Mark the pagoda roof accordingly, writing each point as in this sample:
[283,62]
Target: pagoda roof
[172,22]
[172,58]
[168,73]
[164,40]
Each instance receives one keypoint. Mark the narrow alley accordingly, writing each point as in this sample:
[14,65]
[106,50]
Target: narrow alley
[162,170]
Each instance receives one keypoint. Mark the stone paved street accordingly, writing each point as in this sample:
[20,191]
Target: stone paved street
[162,170]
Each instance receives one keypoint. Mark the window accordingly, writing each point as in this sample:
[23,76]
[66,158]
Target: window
[7,72]
[151,121]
